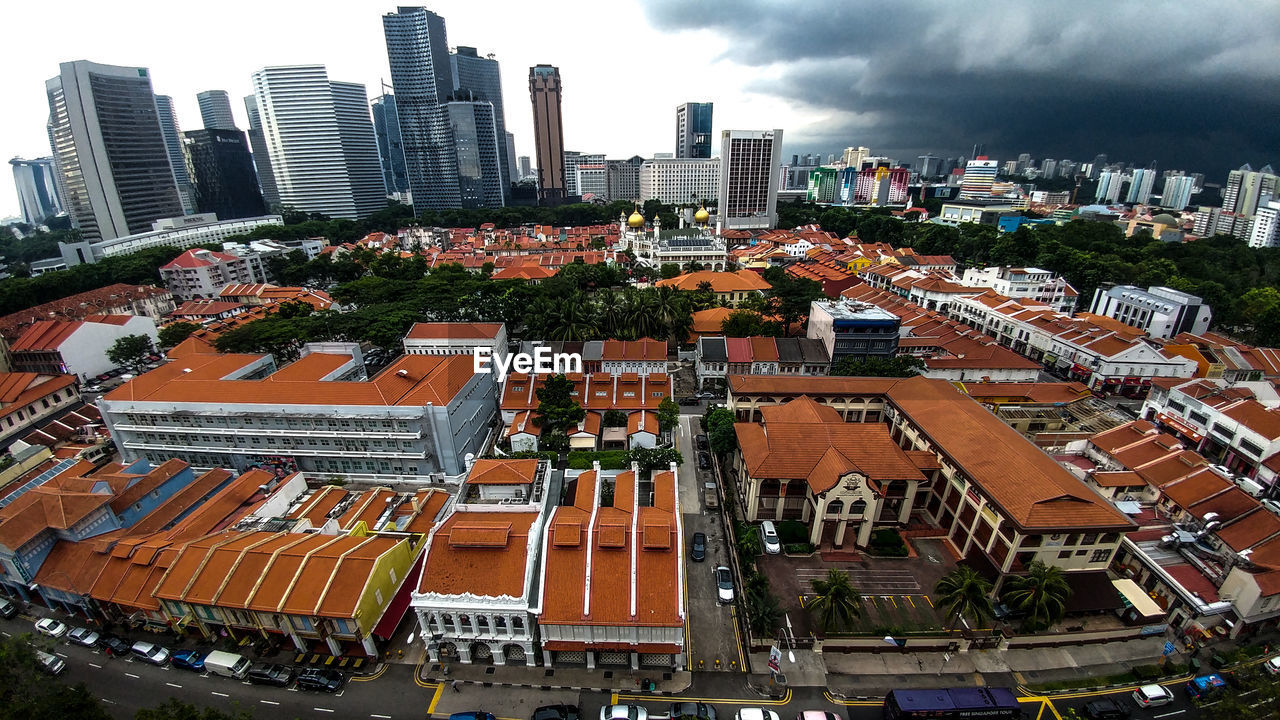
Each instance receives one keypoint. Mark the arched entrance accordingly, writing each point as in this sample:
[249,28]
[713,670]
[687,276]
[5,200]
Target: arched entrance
[481,653]
[514,654]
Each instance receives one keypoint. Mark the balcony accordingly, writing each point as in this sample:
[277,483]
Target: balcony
[378,434]
[304,452]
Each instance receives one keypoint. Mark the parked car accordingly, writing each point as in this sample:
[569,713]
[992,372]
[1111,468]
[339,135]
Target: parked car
[189,659]
[93,388]
[51,627]
[150,652]
[113,646]
[692,711]
[698,552]
[472,715]
[624,712]
[1201,687]
[755,714]
[555,712]
[702,442]
[322,679]
[270,674]
[1151,696]
[818,715]
[1272,665]
[226,664]
[8,608]
[83,637]
[104,377]
[1105,709]
[50,663]
[769,536]
[724,585]
[705,395]
[704,461]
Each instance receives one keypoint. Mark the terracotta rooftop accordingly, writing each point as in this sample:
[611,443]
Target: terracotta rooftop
[479,553]
[469,331]
[117,297]
[721,282]
[18,390]
[503,472]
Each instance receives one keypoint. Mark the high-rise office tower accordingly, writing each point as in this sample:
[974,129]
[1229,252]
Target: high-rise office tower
[1109,187]
[173,144]
[418,53]
[261,158]
[693,130]
[526,167]
[929,166]
[386,127]
[852,157]
[979,149]
[36,181]
[114,173]
[750,162]
[1246,187]
[222,176]
[1144,179]
[979,176]
[1024,162]
[590,173]
[1098,166]
[548,134]
[1177,191]
[623,178]
[215,110]
[475,142]
[513,174]
[1048,168]
[320,141]
[480,79]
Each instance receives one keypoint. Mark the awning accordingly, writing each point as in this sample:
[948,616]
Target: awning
[1136,598]
[386,627]
[1092,591]
[1129,507]
[1180,426]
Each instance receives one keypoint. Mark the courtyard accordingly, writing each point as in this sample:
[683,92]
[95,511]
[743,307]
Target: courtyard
[897,593]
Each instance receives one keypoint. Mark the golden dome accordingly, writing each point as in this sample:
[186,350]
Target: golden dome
[636,220]
[702,216]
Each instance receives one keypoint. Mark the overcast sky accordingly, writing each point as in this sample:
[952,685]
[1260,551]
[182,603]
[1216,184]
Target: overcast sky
[1190,85]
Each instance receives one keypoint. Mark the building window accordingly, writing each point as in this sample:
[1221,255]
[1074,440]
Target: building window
[1100,556]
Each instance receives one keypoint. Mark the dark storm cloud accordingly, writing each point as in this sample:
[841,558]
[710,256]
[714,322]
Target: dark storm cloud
[1190,85]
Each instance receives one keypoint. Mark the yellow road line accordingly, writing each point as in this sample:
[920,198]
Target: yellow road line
[908,597]
[926,597]
[737,638]
[435,698]
[893,602]
[851,703]
[374,676]
[786,698]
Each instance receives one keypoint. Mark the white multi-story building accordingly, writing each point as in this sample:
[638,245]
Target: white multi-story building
[180,232]
[456,338]
[1025,284]
[201,274]
[1109,187]
[1177,191]
[320,141]
[1159,311]
[979,176]
[415,421]
[676,182]
[1144,179]
[76,347]
[1264,232]
[750,162]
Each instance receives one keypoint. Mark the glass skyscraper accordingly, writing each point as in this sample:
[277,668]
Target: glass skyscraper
[693,130]
[478,78]
[386,126]
[222,176]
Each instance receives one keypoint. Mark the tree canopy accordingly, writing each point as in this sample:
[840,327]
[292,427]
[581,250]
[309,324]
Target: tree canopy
[897,366]
[557,410]
[129,350]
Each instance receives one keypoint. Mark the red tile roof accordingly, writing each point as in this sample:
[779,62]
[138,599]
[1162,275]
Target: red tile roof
[469,331]
[721,282]
[479,553]
[198,258]
[45,336]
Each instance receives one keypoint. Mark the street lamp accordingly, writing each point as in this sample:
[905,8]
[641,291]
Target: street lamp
[791,640]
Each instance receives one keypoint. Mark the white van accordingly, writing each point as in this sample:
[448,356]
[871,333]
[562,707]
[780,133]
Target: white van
[769,534]
[227,664]
[1250,486]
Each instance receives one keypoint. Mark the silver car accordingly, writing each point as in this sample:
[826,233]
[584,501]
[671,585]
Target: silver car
[724,585]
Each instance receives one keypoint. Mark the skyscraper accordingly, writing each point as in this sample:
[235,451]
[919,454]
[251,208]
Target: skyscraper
[548,134]
[750,162]
[222,176]
[173,144]
[526,167]
[261,158]
[1098,166]
[215,110]
[929,166]
[1246,187]
[979,175]
[513,174]
[693,130]
[1177,191]
[320,141]
[479,78]
[623,178]
[36,181]
[386,127]
[418,53]
[1109,187]
[475,144]
[114,173]
[1048,168]
[1144,179]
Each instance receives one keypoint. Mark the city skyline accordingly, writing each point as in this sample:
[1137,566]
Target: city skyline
[751,89]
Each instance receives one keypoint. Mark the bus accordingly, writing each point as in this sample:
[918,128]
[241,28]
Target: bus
[986,703]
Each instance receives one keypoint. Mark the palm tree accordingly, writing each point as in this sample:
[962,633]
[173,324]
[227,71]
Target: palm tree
[762,612]
[1042,594]
[837,603]
[964,592]
[609,304]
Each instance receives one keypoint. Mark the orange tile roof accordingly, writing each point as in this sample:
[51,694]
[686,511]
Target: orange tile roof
[469,331]
[503,472]
[721,282]
[115,297]
[1257,417]
[18,390]
[1035,392]
[480,553]
[643,349]
[205,308]
[426,379]
[45,335]
[596,391]
[1123,478]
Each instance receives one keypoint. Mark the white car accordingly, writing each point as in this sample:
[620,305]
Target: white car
[1272,665]
[624,712]
[1150,696]
[755,714]
[83,637]
[769,534]
[150,652]
[724,585]
[51,627]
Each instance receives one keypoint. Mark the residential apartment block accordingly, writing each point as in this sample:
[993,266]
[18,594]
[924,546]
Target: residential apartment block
[1025,284]
[201,274]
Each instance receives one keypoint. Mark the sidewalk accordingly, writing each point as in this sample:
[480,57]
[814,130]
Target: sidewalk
[602,680]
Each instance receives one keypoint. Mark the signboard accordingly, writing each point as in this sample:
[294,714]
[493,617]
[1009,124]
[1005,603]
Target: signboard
[1168,648]
[775,659]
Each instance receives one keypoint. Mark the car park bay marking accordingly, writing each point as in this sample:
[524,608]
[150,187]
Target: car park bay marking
[1175,712]
[135,677]
[64,657]
[215,692]
[95,665]
[322,709]
[382,717]
[173,685]
[269,702]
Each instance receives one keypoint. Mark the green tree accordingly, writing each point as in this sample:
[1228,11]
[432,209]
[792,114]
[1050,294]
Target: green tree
[742,323]
[790,297]
[1042,594]
[720,431]
[175,709]
[668,414]
[669,270]
[964,593]
[557,410]
[897,366]
[26,693]
[763,612]
[650,459]
[838,602]
[174,333]
[614,418]
[129,350]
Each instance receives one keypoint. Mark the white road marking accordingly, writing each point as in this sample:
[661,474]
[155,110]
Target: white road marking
[135,677]
[95,665]
[6,634]
[173,685]
[109,702]
[64,657]
[215,692]
[1175,712]
[384,717]
[322,709]
[269,702]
